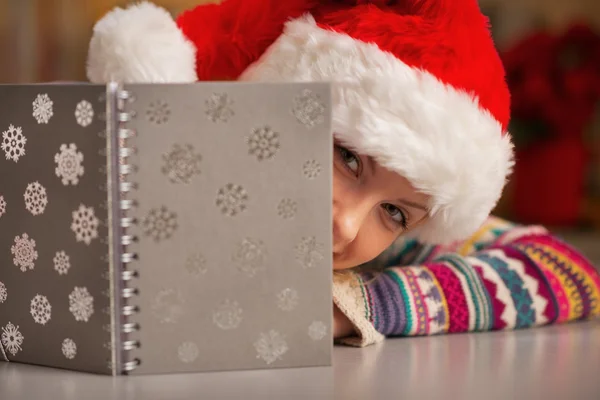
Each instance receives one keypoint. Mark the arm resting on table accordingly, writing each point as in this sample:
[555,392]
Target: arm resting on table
[510,278]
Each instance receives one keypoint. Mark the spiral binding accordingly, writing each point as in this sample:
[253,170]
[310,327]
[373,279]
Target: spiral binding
[125,169]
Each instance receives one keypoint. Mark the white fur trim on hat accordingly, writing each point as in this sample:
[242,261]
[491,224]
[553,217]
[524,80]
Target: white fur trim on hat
[140,44]
[436,136]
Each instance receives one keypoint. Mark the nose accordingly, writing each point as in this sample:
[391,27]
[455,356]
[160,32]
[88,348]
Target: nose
[347,220]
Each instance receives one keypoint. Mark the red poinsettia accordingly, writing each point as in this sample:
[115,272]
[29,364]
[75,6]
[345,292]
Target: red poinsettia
[555,86]
[554,81]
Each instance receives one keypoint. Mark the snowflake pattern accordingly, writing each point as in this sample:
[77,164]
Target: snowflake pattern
[287,299]
[181,164]
[13,143]
[196,264]
[160,223]
[188,352]
[158,112]
[168,306]
[12,338]
[263,143]
[36,198]
[232,199]
[308,109]
[42,108]
[250,256]
[219,107]
[317,330]
[68,164]
[287,208]
[311,169]
[85,224]
[309,252]
[3,293]
[24,252]
[40,309]
[228,315]
[84,113]
[271,346]
[2,206]
[62,263]
[81,304]
[69,349]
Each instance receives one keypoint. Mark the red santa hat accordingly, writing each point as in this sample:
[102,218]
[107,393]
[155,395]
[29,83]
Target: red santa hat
[417,84]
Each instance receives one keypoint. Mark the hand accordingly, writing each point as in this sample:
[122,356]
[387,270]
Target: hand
[342,327]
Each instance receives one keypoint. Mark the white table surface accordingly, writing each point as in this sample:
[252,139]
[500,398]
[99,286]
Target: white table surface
[558,362]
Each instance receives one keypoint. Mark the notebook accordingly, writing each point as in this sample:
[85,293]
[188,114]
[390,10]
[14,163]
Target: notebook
[165,228]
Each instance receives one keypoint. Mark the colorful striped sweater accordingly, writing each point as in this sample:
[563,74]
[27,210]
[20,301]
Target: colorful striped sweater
[505,276]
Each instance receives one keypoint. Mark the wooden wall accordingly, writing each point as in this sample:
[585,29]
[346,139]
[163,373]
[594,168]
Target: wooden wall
[47,40]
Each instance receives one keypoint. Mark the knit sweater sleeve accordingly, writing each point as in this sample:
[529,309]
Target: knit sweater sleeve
[505,277]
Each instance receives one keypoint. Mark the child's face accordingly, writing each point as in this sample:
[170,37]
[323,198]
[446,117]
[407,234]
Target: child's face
[372,206]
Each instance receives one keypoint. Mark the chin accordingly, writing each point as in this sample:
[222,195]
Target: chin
[339,265]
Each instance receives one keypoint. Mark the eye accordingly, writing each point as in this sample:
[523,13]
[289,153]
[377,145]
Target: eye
[351,160]
[396,215]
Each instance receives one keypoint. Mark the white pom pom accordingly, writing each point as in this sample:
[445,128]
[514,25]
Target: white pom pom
[140,44]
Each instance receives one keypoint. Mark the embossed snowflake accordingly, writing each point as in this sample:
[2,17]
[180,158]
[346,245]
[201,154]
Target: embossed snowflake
[2,206]
[36,198]
[181,164]
[62,263]
[188,352]
[40,309]
[271,346]
[309,109]
[81,304]
[24,252]
[232,199]
[228,315]
[317,330]
[168,306]
[69,349]
[196,264]
[3,293]
[311,169]
[160,223]
[84,113]
[158,112]
[85,224]
[13,143]
[12,339]
[287,299]
[250,256]
[263,143]
[68,164]
[42,108]
[287,208]
[219,107]
[309,252]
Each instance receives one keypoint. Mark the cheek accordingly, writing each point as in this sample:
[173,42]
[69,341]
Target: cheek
[370,243]
[369,246]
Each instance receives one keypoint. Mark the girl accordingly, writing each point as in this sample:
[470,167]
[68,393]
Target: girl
[421,157]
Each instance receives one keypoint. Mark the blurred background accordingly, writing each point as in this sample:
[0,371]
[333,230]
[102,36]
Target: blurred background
[551,49]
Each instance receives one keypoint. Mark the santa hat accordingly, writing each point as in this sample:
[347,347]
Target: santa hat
[417,84]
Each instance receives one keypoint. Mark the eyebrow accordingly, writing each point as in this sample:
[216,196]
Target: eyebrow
[413,205]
